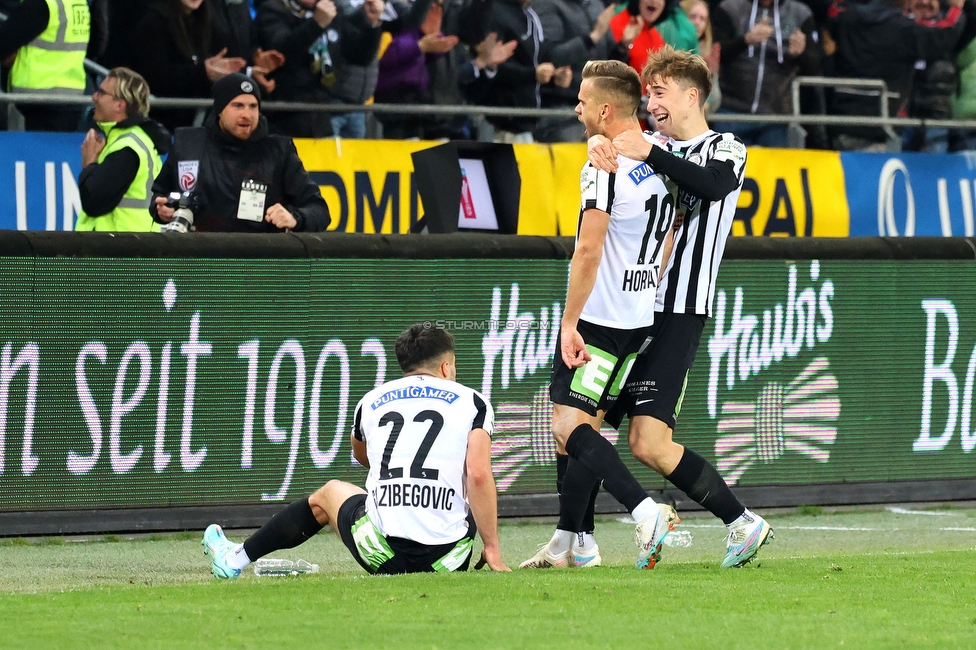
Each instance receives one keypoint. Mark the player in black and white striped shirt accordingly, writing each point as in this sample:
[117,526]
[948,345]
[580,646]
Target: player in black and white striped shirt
[708,168]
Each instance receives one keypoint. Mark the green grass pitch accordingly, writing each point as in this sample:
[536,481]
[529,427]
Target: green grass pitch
[868,578]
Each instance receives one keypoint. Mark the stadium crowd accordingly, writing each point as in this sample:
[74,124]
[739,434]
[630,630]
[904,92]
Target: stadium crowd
[529,54]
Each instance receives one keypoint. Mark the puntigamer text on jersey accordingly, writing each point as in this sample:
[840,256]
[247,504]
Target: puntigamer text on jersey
[414,392]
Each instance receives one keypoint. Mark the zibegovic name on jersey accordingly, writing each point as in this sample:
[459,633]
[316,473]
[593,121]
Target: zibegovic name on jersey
[414,392]
[391,495]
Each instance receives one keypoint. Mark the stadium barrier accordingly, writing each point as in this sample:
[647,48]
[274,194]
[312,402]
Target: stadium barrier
[369,186]
[157,382]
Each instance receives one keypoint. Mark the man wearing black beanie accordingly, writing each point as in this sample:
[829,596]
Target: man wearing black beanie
[240,178]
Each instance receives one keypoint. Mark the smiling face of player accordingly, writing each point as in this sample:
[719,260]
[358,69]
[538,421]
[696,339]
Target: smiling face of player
[670,105]
[590,110]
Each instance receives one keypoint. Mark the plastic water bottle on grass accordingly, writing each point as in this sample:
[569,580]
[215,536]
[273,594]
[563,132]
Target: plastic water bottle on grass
[274,567]
[678,539]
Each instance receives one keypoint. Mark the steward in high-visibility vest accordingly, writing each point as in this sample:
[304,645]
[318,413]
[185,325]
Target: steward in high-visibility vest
[51,38]
[120,165]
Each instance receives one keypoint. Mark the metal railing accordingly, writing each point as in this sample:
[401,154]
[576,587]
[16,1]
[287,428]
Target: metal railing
[876,87]
[796,119]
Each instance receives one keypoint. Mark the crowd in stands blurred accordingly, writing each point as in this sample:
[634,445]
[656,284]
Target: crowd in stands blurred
[511,53]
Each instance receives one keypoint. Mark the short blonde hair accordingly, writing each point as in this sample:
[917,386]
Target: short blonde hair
[616,81]
[684,68]
[133,89]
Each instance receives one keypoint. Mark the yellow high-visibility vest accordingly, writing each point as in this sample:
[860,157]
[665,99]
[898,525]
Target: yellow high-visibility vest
[54,62]
[132,212]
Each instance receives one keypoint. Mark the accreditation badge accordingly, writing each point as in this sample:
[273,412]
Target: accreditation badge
[251,205]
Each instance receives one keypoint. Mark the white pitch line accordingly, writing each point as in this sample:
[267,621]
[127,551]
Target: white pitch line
[628,520]
[928,513]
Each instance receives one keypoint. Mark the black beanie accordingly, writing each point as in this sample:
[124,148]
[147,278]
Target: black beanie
[230,86]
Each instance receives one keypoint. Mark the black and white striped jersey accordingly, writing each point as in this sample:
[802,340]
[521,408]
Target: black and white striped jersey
[416,432]
[701,228]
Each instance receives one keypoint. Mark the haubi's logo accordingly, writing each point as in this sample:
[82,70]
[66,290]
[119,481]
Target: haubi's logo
[796,416]
[799,417]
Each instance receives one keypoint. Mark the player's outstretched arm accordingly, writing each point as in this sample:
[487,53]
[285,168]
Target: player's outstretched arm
[713,182]
[482,496]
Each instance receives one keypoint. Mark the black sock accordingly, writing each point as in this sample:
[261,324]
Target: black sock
[696,477]
[588,524]
[287,529]
[596,453]
[562,462]
[577,485]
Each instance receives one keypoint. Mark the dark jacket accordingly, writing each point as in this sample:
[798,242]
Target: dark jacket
[102,185]
[877,41]
[566,25]
[226,162]
[352,41]
[169,71]
[515,84]
[123,16]
[234,28]
[751,82]
[25,23]
[935,81]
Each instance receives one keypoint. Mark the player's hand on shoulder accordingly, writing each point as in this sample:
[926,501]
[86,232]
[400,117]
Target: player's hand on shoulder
[572,348]
[602,154]
[631,144]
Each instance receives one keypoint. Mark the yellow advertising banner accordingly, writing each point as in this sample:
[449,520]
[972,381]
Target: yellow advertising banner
[368,184]
[370,188]
[567,161]
[793,193]
[786,193]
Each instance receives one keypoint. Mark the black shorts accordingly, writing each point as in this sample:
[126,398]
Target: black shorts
[596,385]
[394,555]
[656,384]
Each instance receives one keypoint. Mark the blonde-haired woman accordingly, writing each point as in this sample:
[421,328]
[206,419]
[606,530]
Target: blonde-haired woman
[698,13]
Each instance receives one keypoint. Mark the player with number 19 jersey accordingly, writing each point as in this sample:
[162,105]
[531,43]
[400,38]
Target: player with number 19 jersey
[416,433]
[641,205]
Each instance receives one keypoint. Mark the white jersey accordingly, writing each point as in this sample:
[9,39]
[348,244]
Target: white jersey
[641,205]
[416,433]
[688,286]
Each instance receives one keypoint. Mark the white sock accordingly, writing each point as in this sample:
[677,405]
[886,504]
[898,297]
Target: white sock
[237,558]
[562,541]
[746,517]
[644,509]
[585,541]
